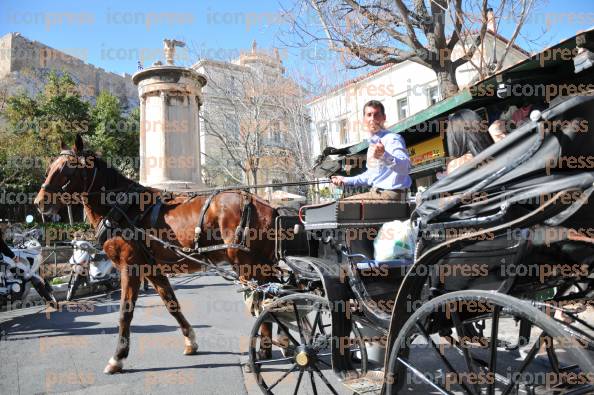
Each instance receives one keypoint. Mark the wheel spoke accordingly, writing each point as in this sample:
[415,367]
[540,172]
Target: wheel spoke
[553,360]
[270,361]
[422,377]
[325,380]
[313,331]
[439,355]
[282,377]
[529,358]
[325,363]
[313,382]
[285,329]
[301,335]
[465,352]
[493,356]
[298,382]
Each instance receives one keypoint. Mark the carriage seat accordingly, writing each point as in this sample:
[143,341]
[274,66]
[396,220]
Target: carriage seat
[352,213]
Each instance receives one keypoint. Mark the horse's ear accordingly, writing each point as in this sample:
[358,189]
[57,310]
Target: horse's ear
[63,145]
[79,145]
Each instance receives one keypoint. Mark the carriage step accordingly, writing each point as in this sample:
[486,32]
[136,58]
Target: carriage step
[371,383]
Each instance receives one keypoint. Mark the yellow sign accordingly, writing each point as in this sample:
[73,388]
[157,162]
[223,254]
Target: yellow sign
[426,151]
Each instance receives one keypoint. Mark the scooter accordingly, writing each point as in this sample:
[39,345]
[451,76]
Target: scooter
[90,266]
[17,276]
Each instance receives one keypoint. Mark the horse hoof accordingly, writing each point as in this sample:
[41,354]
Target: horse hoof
[112,369]
[191,350]
[113,366]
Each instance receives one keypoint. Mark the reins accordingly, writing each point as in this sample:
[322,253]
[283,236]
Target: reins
[117,213]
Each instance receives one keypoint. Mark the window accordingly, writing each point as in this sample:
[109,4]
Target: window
[323,135]
[343,131]
[275,134]
[432,95]
[402,105]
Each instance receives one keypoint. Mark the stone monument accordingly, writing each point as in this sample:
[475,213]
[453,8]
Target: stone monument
[170,99]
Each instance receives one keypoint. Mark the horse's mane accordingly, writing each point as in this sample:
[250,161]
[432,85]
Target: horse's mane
[110,172]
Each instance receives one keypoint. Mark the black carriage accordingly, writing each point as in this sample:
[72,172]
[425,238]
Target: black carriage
[497,297]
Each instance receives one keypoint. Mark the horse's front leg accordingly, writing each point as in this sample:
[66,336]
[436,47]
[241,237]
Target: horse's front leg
[163,287]
[130,281]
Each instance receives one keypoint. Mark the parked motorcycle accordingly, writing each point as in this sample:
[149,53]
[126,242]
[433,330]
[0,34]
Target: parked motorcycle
[17,276]
[90,266]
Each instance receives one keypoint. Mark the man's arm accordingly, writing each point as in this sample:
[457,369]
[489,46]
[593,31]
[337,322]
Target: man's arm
[396,156]
[357,181]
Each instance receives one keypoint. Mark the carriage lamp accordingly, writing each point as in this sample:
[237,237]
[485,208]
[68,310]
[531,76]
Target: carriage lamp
[503,90]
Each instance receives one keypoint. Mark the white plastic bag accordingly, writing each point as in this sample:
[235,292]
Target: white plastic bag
[394,240]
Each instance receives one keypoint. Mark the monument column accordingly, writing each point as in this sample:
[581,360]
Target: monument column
[170,129]
[142,149]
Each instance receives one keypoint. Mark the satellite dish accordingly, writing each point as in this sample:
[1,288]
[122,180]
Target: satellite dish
[29,219]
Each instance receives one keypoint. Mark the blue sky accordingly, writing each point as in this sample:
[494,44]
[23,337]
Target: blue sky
[115,34]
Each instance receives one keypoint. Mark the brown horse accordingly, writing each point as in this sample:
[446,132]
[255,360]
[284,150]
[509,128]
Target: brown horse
[135,211]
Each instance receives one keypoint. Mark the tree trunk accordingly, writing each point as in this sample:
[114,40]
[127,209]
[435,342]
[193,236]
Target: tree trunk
[255,176]
[448,86]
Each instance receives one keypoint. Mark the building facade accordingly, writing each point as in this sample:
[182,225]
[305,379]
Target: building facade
[404,89]
[246,131]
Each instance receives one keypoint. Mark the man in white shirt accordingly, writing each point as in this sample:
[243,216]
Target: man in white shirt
[388,162]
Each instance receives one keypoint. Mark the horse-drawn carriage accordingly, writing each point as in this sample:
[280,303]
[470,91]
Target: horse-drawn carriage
[497,297]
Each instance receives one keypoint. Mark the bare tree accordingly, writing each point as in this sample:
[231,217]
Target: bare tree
[257,117]
[439,34]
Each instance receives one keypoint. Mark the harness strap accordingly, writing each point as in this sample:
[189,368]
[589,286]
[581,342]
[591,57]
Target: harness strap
[244,223]
[216,247]
[198,229]
[155,210]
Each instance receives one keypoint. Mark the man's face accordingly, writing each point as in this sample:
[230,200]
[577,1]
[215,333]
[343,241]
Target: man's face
[374,119]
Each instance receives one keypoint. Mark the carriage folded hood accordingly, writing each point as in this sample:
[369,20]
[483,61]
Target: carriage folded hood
[530,163]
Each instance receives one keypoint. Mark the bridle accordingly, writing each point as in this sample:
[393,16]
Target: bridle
[80,160]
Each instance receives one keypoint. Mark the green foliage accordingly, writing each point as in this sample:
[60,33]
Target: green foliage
[325,192]
[115,134]
[56,113]
[36,126]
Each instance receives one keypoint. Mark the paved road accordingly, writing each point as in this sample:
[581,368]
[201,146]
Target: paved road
[66,351]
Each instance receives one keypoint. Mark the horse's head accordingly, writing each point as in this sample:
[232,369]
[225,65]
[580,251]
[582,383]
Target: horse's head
[69,179]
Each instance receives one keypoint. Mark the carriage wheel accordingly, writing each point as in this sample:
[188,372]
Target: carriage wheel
[300,352]
[456,343]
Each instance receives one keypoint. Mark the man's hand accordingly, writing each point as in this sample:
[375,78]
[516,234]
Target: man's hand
[337,180]
[377,150]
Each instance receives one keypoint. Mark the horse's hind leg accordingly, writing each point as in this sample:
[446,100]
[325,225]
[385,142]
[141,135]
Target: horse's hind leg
[130,286]
[163,287]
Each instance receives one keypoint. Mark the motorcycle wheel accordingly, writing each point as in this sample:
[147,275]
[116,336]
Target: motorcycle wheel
[75,281]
